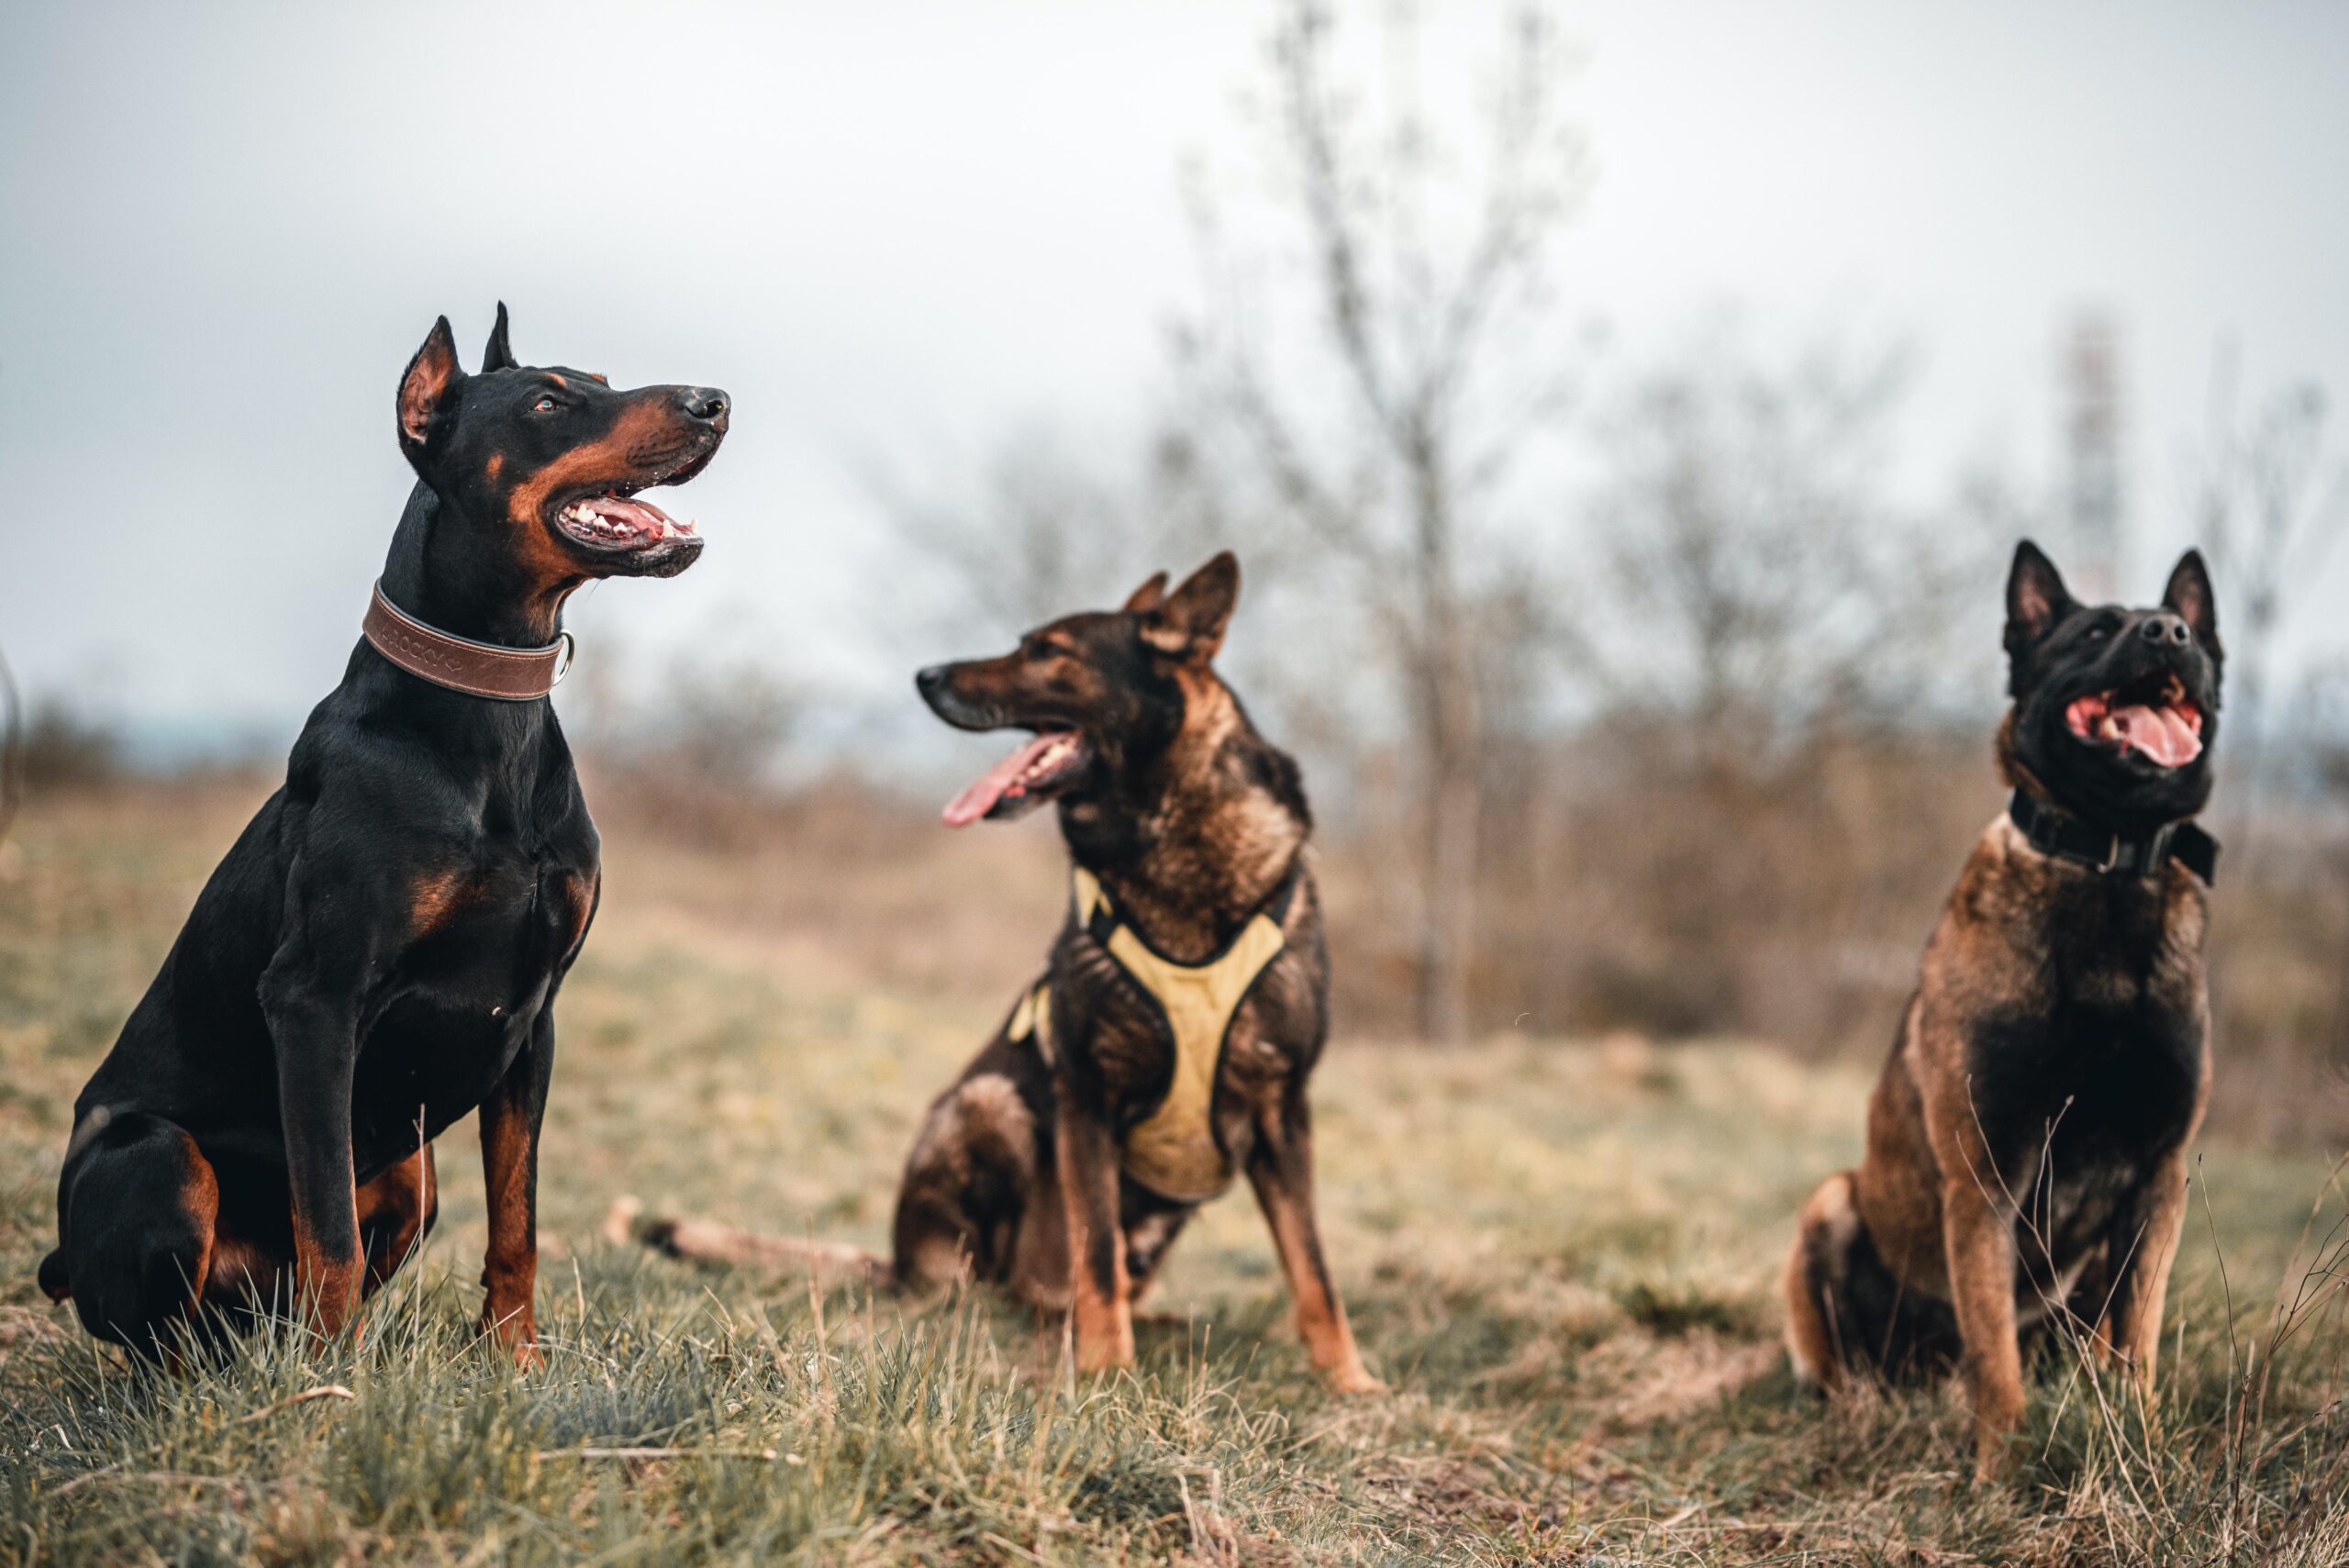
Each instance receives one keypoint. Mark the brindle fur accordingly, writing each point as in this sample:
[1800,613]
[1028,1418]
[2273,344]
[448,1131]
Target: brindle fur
[1190,820]
[2026,1142]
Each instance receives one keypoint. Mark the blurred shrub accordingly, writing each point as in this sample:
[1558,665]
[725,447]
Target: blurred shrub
[63,747]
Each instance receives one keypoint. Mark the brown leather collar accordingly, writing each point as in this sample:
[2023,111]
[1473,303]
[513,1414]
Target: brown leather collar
[477,668]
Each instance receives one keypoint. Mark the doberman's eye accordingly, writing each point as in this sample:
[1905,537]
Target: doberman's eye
[546,405]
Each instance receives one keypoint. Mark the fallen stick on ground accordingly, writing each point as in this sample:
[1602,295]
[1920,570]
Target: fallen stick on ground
[325,1391]
[710,1241]
[766,1453]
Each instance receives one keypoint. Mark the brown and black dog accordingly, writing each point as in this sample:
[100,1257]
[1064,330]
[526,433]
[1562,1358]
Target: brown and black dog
[1166,1047]
[2027,1142]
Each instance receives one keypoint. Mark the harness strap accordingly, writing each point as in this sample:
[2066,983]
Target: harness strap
[1032,1019]
[1173,1150]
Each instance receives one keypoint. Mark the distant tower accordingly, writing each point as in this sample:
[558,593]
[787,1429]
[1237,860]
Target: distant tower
[2091,383]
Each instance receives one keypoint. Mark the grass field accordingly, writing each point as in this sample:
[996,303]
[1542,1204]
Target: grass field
[1561,1255]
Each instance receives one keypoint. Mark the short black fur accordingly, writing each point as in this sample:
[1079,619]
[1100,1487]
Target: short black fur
[379,952]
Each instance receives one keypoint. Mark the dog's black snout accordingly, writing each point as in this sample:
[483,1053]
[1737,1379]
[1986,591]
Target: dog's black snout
[707,405]
[931,681]
[2166,628]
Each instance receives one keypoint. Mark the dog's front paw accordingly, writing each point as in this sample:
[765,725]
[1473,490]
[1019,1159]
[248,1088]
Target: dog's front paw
[518,1339]
[1356,1379]
[1104,1356]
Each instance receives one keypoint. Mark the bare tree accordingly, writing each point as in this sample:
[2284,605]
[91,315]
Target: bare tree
[1424,309]
[1041,531]
[2268,510]
[1755,580]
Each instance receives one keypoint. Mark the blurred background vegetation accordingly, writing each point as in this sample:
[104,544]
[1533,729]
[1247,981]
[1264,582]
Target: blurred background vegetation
[1640,703]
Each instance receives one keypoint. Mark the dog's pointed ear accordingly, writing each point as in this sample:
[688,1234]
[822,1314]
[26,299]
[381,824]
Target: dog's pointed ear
[499,355]
[1148,596]
[2036,597]
[431,377]
[1189,623]
[2189,597]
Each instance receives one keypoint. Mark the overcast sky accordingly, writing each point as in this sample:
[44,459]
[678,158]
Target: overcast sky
[894,231]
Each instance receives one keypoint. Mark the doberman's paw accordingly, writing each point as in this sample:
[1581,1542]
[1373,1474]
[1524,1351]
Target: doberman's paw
[1356,1379]
[1104,1357]
[518,1339]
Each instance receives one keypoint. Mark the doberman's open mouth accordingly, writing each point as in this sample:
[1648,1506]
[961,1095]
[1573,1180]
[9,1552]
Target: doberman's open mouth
[2152,718]
[1026,778]
[618,522]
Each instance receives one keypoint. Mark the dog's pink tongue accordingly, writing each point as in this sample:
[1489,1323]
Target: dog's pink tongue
[979,797]
[642,516]
[2161,733]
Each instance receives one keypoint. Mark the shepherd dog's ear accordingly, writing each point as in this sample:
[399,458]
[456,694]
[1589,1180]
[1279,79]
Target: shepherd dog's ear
[2036,598]
[425,388]
[499,355]
[1148,596]
[2189,597]
[1189,624]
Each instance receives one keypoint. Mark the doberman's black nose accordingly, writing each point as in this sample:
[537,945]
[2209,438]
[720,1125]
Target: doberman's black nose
[707,405]
[930,682]
[2164,627]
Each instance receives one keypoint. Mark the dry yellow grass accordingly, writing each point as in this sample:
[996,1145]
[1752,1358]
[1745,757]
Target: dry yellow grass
[1561,1254]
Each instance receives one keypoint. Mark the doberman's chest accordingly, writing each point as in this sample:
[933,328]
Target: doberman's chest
[491,936]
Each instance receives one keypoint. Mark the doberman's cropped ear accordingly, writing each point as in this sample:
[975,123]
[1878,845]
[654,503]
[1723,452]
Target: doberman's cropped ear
[499,355]
[2189,596]
[431,376]
[1190,622]
[1148,596]
[2036,598]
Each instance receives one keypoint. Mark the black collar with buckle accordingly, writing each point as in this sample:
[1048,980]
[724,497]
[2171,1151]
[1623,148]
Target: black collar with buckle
[2058,833]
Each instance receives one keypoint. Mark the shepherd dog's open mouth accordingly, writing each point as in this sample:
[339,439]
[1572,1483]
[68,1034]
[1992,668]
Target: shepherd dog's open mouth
[1026,779]
[2151,717]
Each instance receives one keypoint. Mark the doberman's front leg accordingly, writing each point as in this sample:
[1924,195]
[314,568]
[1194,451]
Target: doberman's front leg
[1280,1167]
[509,1156]
[314,1032]
[1101,1302]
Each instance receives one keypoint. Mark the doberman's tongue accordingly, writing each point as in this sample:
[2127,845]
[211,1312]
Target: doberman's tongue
[2161,733]
[642,516]
[981,795]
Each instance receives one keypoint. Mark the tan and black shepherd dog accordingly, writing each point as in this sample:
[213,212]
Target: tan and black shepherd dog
[2025,1170]
[1165,1048]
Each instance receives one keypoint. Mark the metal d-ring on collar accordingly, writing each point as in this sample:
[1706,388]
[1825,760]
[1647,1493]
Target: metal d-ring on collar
[2058,833]
[462,664]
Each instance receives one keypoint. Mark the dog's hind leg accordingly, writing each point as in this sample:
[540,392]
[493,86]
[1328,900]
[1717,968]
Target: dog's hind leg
[969,1205]
[1148,1237]
[1818,1319]
[395,1214]
[138,1207]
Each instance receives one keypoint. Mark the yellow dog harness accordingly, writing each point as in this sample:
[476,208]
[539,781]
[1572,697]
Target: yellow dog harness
[1173,1150]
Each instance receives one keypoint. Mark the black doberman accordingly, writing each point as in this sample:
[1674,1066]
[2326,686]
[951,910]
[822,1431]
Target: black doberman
[379,952]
